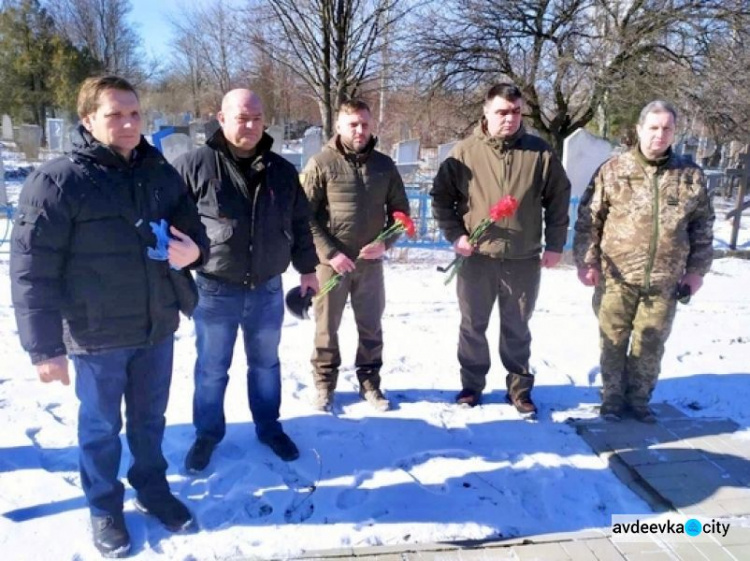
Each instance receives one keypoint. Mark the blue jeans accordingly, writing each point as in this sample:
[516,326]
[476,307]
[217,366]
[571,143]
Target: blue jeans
[142,376]
[222,308]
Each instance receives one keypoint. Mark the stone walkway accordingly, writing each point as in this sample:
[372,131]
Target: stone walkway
[681,466]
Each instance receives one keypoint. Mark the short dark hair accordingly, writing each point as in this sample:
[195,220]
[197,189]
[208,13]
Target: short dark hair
[91,89]
[350,106]
[657,106]
[506,90]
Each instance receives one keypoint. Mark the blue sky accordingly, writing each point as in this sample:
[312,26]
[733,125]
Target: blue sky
[151,18]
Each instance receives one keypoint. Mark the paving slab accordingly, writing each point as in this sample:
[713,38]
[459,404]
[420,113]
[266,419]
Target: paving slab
[685,464]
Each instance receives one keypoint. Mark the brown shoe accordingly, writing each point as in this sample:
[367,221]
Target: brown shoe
[468,398]
[376,399]
[522,403]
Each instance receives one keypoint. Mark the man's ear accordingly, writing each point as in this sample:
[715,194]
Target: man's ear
[220,118]
[86,122]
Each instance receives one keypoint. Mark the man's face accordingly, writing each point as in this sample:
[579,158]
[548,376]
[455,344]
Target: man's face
[354,129]
[241,119]
[503,116]
[117,121]
[656,134]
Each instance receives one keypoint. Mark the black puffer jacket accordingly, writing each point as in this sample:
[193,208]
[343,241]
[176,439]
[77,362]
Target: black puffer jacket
[80,276]
[254,233]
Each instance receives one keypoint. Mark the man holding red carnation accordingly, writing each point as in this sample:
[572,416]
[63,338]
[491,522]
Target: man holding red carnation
[354,192]
[501,161]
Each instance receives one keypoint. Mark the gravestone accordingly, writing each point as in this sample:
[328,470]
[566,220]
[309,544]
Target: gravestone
[7,128]
[175,145]
[277,133]
[3,190]
[55,135]
[312,143]
[444,150]
[407,152]
[67,139]
[583,153]
[197,132]
[29,140]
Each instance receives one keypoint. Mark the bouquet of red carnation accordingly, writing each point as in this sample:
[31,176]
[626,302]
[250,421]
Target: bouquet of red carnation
[402,223]
[504,208]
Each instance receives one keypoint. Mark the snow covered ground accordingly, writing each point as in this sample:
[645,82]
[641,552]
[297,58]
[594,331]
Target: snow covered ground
[425,471]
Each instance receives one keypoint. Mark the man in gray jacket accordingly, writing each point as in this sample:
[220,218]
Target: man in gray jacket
[353,191]
[497,160]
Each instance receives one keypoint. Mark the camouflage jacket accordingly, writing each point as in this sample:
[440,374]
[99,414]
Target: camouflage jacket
[645,224]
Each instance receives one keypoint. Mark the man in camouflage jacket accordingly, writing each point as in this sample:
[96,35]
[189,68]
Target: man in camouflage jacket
[644,235]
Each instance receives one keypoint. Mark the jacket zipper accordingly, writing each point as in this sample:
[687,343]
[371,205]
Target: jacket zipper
[654,229]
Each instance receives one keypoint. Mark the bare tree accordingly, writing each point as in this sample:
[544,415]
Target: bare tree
[211,49]
[333,46]
[101,27]
[568,57]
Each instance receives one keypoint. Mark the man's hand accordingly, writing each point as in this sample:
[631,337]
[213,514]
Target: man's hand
[183,251]
[372,251]
[463,247]
[589,276]
[307,281]
[341,263]
[551,259]
[693,280]
[54,369]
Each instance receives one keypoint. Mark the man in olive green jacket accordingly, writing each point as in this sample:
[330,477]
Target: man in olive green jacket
[644,237]
[497,160]
[353,191]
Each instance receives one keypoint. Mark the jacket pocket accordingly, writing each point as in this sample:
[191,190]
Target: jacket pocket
[25,226]
[218,230]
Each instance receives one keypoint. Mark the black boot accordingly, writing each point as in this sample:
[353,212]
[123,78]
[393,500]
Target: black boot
[167,509]
[111,536]
[519,392]
[199,455]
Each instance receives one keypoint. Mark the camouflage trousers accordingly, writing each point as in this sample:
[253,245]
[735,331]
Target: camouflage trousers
[633,328]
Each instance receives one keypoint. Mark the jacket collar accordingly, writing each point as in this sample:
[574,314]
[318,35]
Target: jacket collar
[500,144]
[355,157]
[85,145]
[664,161]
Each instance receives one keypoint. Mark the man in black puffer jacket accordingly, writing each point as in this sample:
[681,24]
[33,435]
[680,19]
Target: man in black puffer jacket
[84,286]
[256,216]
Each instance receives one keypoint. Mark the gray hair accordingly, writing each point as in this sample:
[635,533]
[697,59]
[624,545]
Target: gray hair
[657,106]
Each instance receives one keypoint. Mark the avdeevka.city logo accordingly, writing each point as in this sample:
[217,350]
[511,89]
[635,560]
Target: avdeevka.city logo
[693,527]
[633,528]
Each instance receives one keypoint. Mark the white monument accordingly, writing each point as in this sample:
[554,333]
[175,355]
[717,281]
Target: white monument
[55,135]
[312,143]
[583,153]
[3,190]
[444,150]
[277,133]
[7,128]
[174,145]
[407,152]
